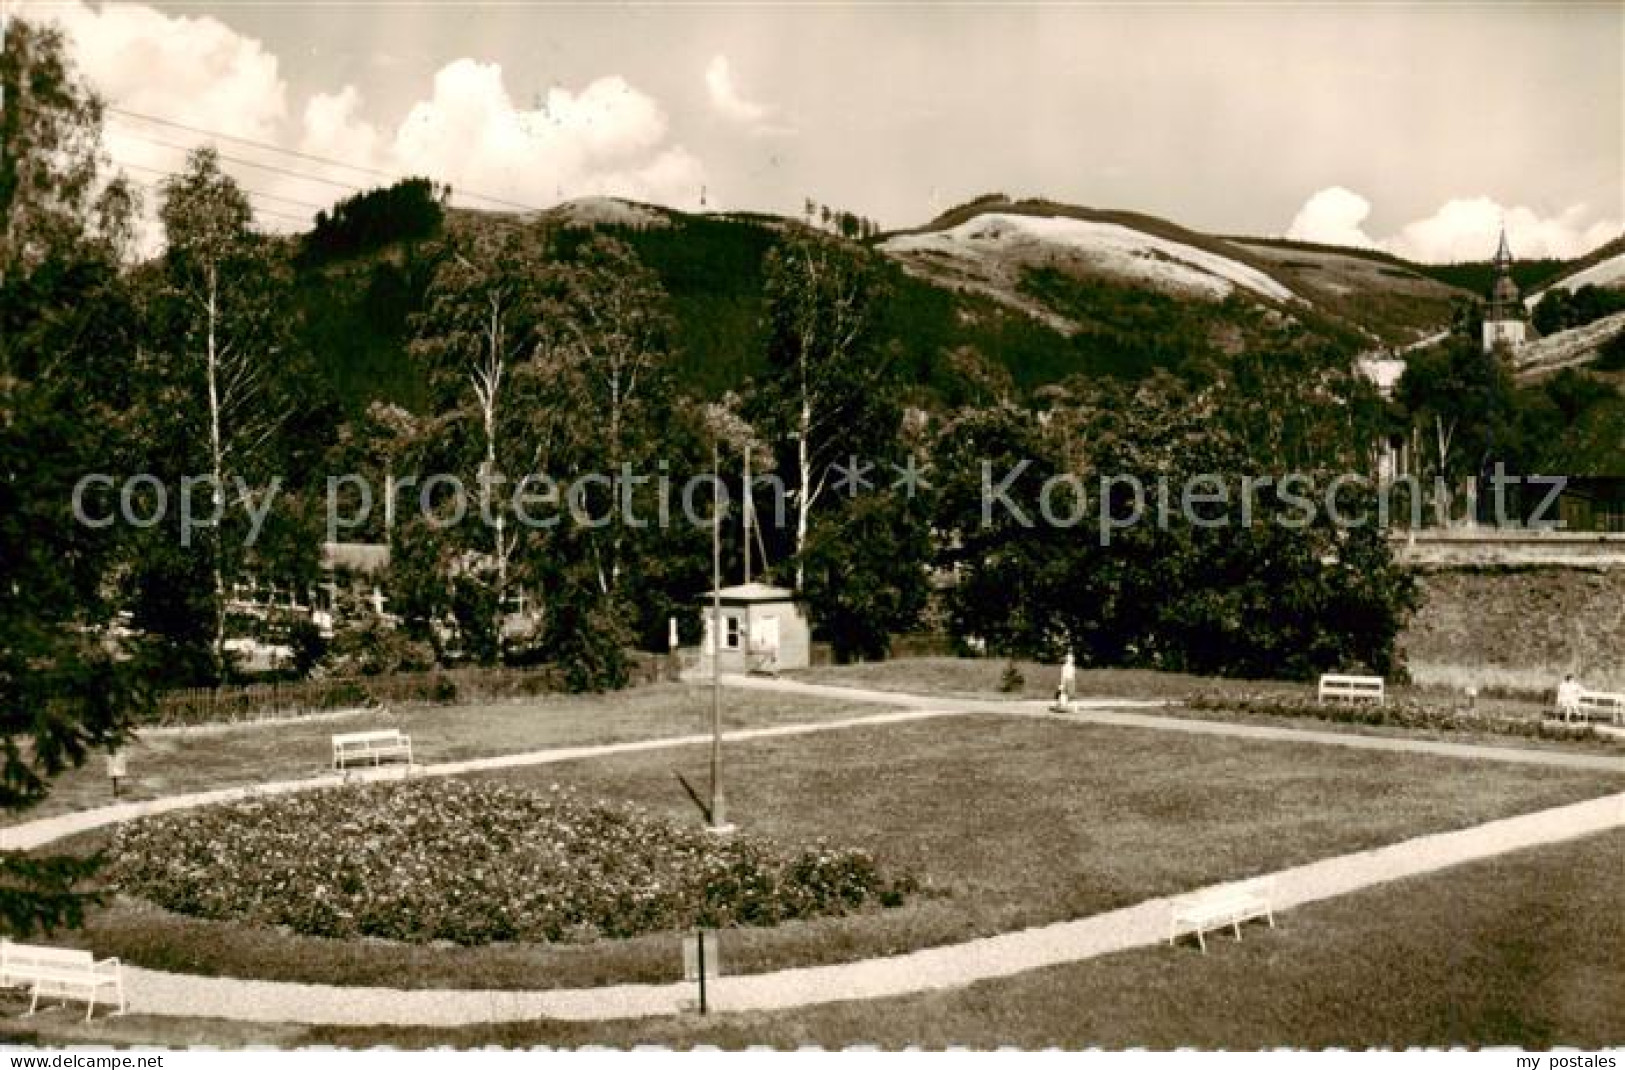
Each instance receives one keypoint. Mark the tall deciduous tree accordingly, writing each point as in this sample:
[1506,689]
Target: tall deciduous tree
[825,391]
[55,190]
[610,325]
[1461,402]
[480,336]
[1253,582]
[63,321]
[223,373]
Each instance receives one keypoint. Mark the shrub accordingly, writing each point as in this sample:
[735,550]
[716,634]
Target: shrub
[1011,680]
[476,863]
[1400,714]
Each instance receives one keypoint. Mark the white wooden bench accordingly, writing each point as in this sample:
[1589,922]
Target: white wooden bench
[60,973]
[1336,688]
[371,747]
[1604,704]
[1227,905]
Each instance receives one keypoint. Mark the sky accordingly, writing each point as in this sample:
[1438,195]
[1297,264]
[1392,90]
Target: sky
[1419,128]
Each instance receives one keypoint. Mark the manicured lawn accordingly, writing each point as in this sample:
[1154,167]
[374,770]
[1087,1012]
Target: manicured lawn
[170,764]
[1013,822]
[983,678]
[1525,950]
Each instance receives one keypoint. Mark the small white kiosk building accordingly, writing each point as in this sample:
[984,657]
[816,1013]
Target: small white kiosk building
[764,629]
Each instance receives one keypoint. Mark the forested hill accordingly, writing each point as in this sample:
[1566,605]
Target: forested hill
[994,297]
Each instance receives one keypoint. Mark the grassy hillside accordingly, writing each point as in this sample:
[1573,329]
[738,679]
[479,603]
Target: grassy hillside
[1038,206]
[1603,252]
[957,338]
[1395,300]
[954,347]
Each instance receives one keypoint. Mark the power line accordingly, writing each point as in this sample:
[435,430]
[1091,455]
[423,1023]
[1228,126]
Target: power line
[311,157]
[257,209]
[250,142]
[461,192]
[251,192]
[250,163]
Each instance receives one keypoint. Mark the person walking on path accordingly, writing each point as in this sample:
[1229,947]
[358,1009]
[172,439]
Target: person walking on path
[1069,682]
[1568,698]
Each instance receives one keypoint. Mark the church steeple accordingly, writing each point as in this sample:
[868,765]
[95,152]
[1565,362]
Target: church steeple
[1504,317]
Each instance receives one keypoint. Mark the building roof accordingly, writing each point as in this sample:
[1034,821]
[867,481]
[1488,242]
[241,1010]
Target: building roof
[1384,372]
[367,558]
[1504,303]
[753,592]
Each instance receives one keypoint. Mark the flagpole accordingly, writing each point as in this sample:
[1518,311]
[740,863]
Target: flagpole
[719,816]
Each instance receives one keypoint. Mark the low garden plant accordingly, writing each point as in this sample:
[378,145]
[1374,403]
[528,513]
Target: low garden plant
[1403,713]
[479,862]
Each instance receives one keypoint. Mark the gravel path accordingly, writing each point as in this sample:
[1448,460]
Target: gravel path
[942,967]
[34,834]
[154,992]
[1119,712]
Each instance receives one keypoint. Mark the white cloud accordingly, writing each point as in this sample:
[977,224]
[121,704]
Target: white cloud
[608,138]
[725,96]
[332,127]
[1468,229]
[733,105]
[1460,229]
[1334,216]
[192,70]
[605,138]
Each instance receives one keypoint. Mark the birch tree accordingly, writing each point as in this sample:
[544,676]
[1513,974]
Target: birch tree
[218,326]
[824,382]
[480,336]
[1463,400]
[610,324]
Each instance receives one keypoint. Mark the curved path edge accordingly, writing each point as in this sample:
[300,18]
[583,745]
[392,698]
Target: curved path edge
[951,966]
[987,958]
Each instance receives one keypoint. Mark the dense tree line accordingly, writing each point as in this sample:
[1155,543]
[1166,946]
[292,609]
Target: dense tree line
[548,350]
[535,349]
[65,326]
[1562,310]
[411,209]
[1464,413]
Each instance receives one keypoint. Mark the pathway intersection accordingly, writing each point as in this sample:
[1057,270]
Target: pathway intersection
[161,993]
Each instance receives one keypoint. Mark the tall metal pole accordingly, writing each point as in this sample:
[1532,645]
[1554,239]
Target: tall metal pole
[719,817]
[745,508]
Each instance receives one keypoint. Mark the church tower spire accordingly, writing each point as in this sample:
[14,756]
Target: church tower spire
[1503,253]
[1504,316]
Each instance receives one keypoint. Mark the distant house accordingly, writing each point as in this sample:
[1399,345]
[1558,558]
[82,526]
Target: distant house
[1593,504]
[763,629]
[353,575]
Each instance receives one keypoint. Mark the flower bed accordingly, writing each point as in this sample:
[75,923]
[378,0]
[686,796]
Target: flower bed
[476,863]
[1396,714]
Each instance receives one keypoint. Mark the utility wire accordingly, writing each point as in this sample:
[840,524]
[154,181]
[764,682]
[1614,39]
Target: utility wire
[248,141]
[312,158]
[248,163]
[466,194]
[257,209]
[162,173]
